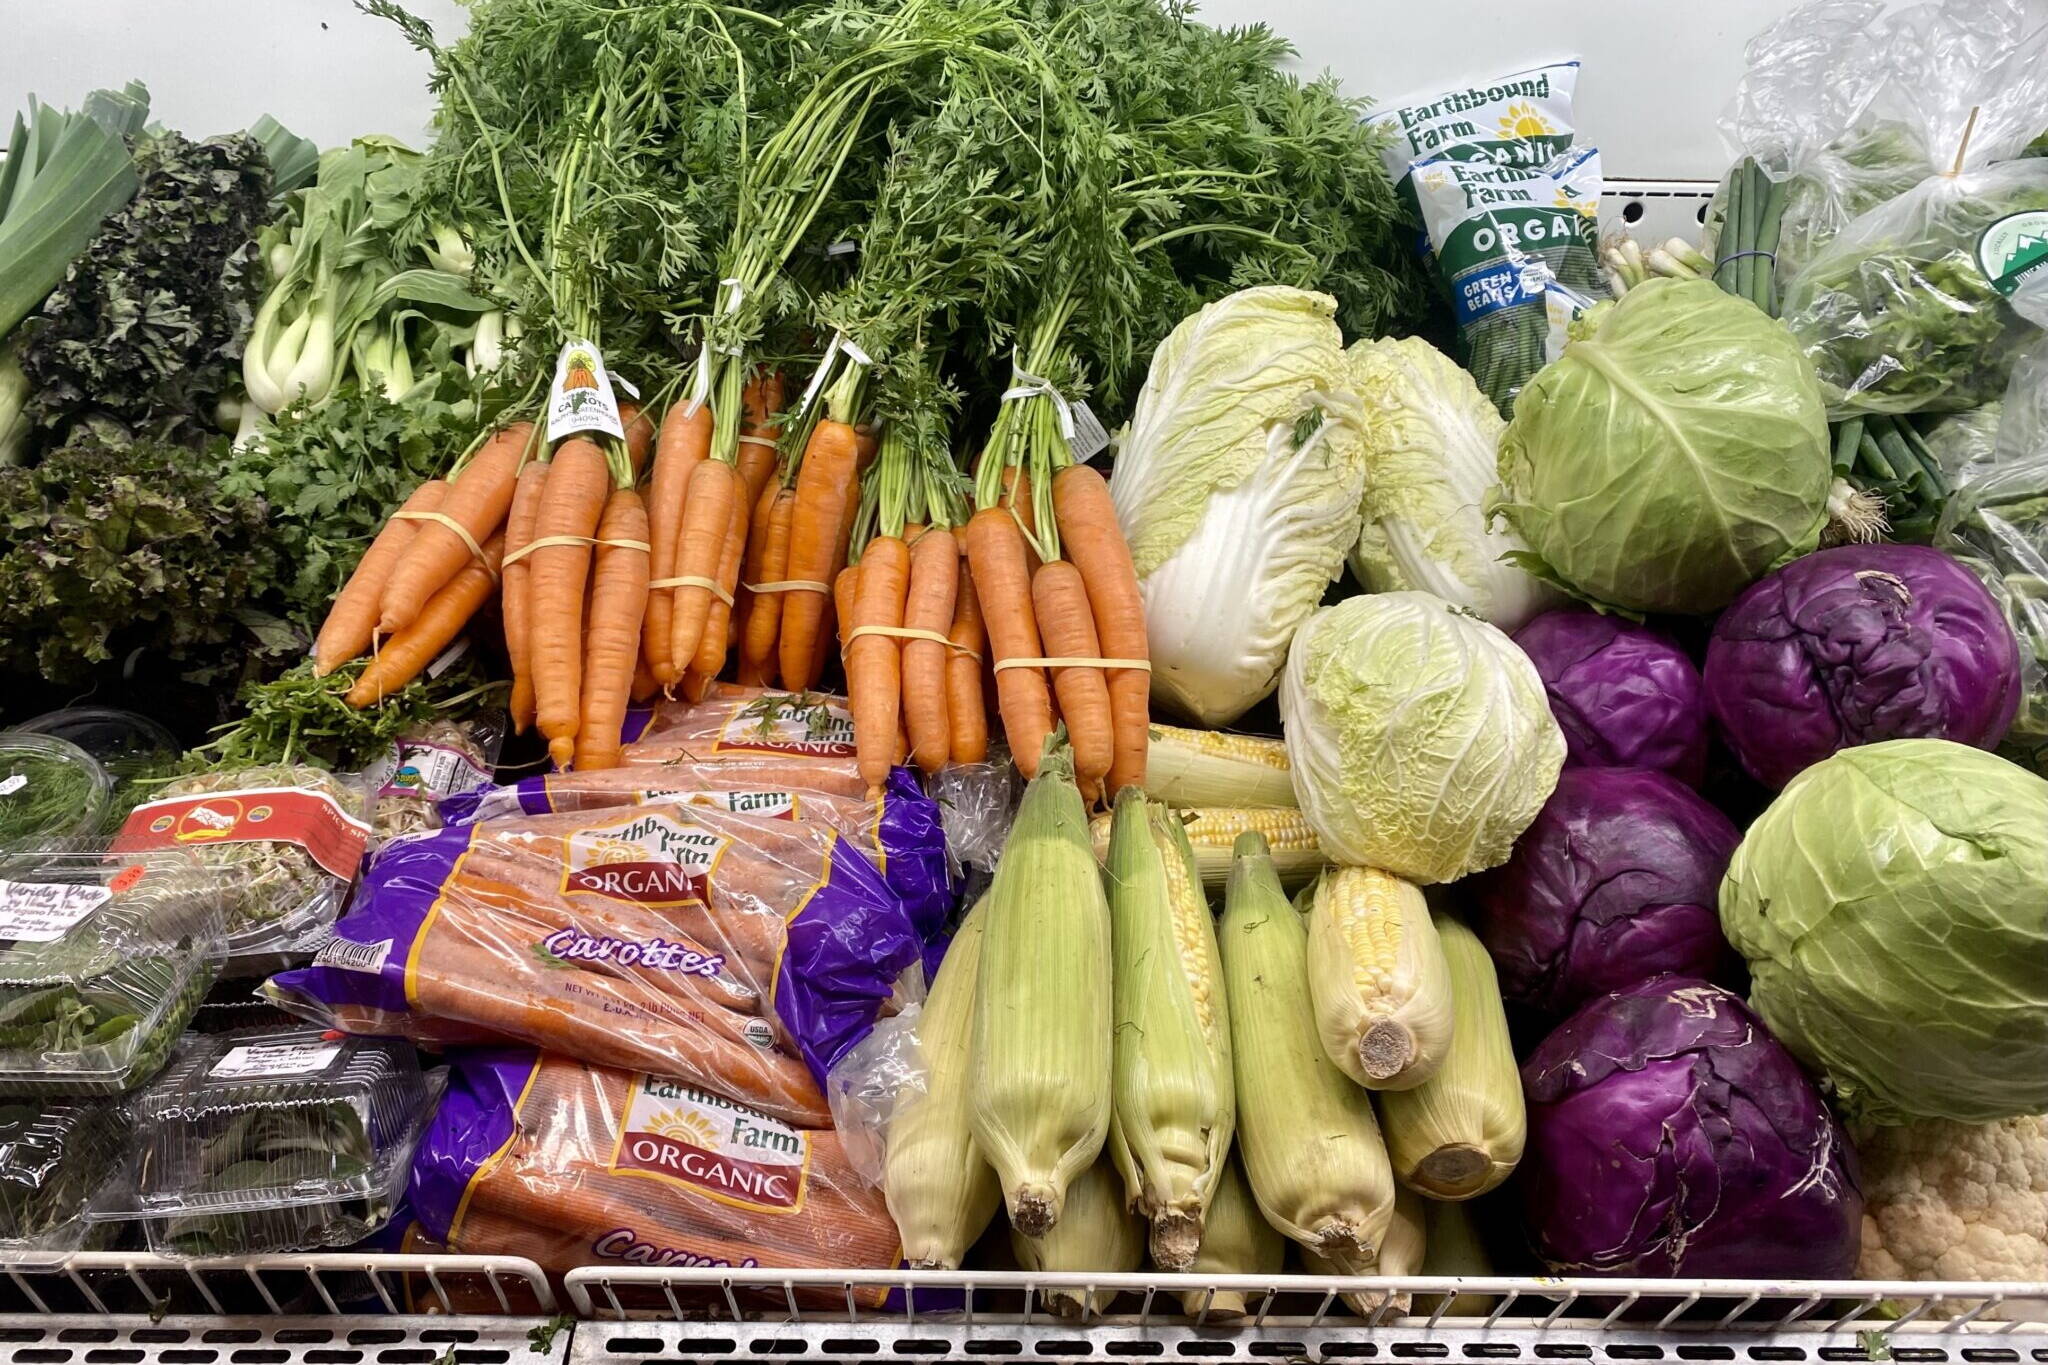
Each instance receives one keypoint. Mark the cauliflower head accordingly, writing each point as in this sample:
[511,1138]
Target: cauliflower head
[1958,1201]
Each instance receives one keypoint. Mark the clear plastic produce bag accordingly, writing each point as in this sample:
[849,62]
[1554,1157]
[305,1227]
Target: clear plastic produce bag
[1803,111]
[1909,306]
[1996,523]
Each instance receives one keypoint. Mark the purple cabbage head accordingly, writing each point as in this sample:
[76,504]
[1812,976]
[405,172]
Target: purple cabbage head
[1617,880]
[1670,1134]
[1624,695]
[1855,645]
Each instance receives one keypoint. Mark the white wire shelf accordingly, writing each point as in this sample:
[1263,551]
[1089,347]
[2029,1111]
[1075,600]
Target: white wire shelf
[87,1339]
[659,1317]
[328,1283]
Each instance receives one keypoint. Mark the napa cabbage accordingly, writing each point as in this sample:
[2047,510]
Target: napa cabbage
[1432,444]
[1420,738]
[1237,485]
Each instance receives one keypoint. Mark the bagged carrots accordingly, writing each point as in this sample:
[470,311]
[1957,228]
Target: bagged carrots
[902,833]
[740,953]
[574,1165]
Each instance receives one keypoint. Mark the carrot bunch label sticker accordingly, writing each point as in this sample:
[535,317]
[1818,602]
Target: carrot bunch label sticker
[806,727]
[284,815]
[644,858]
[725,1150]
[581,398]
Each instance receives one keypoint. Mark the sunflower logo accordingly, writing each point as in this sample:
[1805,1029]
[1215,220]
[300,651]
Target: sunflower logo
[1566,199]
[1523,119]
[1433,181]
[690,1127]
[603,852]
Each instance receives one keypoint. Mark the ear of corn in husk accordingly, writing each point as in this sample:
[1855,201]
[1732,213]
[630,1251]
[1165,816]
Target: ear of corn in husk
[1175,1103]
[1097,1233]
[940,1191]
[1039,1091]
[1455,1249]
[1460,1133]
[1311,1148]
[1377,974]
[1236,1240]
[1214,768]
[1401,1252]
[1213,830]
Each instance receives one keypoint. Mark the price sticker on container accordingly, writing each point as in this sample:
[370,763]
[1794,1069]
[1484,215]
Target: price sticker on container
[268,1061]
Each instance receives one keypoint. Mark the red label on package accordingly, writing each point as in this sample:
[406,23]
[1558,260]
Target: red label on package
[713,1146]
[259,815]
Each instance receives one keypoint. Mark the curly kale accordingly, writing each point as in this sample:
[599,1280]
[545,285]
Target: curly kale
[108,548]
[146,330]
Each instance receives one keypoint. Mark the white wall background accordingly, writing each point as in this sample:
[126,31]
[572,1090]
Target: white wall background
[1656,75]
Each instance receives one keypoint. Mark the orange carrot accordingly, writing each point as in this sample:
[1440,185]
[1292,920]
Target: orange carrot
[578,482]
[618,599]
[1026,512]
[966,712]
[515,595]
[639,435]
[1095,542]
[407,653]
[767,557]
[825,485]
[707,519]
[477,500]
[644,685]
[1067,630]
[351,622]
[867,442]
[1002,584]
[761,400]
[684,443]
[934,584]
[874,663]
[845,594]
[715,643]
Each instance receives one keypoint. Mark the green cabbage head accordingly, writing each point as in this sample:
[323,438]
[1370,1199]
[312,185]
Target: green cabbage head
[1893,905]
[1420,737]
[1672,456]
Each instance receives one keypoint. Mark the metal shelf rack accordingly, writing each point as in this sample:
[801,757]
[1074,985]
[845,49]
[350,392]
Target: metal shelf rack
[104,1308]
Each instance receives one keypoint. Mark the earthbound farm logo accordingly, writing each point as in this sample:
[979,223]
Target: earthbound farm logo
[713,1145]
[646,859]
[802,725]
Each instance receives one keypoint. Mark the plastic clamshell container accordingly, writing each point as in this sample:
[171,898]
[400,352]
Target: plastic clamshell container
[286,839]
[276,1139]
[103,958]
[60,1162]
[29,764]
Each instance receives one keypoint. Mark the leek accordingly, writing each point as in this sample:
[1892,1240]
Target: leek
[64,173]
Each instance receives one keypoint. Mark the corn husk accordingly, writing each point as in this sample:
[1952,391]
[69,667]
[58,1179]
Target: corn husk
[1175,1104]
[1377,974]
[1212,832]
[1401,1252]
[1456,1249]
[1236,1240]
[940,1191]
[1311,1148]
[1213,768]
[1096,1233]
[1460,1133]
[1039,1096]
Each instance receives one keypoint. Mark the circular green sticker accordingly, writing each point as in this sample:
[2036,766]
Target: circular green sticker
[2014,249]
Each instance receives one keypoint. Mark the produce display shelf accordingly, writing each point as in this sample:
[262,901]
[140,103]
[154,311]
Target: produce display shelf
[107,1284]
[662,1316]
